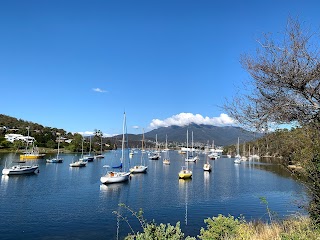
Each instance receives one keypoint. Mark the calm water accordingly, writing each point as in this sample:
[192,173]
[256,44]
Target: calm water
[62,202]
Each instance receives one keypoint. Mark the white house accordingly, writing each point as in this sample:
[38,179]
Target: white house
[11,137]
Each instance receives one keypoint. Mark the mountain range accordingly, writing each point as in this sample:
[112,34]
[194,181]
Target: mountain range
[222,136]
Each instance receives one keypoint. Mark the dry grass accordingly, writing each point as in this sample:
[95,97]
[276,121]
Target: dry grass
[295,228]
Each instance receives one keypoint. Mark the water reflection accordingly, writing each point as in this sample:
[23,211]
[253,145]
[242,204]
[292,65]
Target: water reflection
[4,182]
[183,187]
[206,183]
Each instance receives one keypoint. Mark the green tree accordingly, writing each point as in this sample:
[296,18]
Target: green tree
[51,144]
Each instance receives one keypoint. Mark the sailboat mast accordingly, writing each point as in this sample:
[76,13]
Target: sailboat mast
[58,146]
[123,130]
[82,147]
[187,147]
[101,144]
[192,143]
[142,145]
[238,152]
[28,139]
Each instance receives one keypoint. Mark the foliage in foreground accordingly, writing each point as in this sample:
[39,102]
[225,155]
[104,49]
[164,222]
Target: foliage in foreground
[226,228]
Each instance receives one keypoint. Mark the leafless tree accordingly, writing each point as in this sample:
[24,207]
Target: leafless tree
[285,81]
[284,87]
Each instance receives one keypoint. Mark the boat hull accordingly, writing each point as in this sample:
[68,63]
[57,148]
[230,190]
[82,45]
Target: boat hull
[166,162]
[115,177]
[184,174]
[138,169]
[18,170]
[78,164]
[31,156]
[55,160]
[190,159]
[207,167]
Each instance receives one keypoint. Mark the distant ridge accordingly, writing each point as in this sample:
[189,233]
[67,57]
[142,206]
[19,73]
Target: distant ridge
[222,136]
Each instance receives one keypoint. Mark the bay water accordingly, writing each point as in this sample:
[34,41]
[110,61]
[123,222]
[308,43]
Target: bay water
[62,202]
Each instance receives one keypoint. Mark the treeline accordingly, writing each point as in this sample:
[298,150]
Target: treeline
[47,137]
[293,147]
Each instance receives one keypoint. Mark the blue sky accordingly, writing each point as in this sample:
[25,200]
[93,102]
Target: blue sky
[78,65]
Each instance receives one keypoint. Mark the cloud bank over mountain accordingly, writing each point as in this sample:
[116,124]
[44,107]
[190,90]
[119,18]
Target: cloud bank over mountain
[184,119]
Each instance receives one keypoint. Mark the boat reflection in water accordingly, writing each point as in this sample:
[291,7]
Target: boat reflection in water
[183,186]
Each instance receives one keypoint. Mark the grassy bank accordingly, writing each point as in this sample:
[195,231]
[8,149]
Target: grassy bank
[226,228]
[229,228]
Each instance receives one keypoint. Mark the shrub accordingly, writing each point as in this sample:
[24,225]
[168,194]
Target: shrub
[220,227]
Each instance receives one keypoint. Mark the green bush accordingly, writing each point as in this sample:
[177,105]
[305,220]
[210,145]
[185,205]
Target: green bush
[220,227]
[163,231]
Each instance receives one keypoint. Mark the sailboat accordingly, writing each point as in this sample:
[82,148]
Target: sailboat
[81,162]
[213,155]
[166,159]
[244,158]
[57,159]
[117,176]
[207,166]
[140,168]
[100,155]
[89,157]
[238,157]
[19,169]
[155,155]
[191,158]
[32,153]
[185,172]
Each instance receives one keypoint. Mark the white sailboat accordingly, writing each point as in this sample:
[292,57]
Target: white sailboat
[191,158]
[100,155]
[140,168]
[207,166]
[244,158]
[213,155]
[185,172]
[81,162]
[19,169]
[237,160]
[117,176]
[88,157]
[57,159]
[166,159]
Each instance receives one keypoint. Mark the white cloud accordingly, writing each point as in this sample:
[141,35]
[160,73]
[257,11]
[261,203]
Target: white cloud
[135,127]
[99,90]
[86,133]
[89,133]
[184,119]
